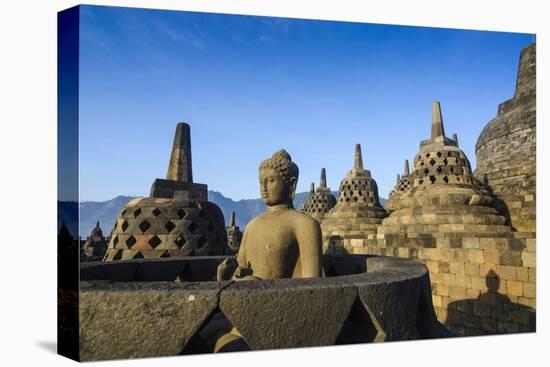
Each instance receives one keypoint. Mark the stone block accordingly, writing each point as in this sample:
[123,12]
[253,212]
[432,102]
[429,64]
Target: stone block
[514,288]
[522,274]
[471,269]
[506,272]
[457,268]
[532,275]
[530,290]
[478,283]
[531,245]
[491,256]
[476,256]
[132,320]
[529,259]
[487,243]
[307,320]
[470,242]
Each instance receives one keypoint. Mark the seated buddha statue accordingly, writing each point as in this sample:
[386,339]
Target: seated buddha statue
[281,242]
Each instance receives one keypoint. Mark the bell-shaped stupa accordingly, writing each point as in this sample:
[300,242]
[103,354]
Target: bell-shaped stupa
[320,200]
[357,212]
[402,184]
[175,220]
[442,197]
[506,149]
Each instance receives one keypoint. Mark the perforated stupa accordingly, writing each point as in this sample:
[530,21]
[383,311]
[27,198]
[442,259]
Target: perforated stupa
[175,220]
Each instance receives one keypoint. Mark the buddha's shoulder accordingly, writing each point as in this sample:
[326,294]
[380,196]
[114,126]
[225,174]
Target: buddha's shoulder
[301,219]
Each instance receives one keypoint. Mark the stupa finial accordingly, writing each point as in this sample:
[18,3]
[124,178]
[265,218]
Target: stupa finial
[455,138]
[358,164]
[232,219]
[323,181]
[437,120]
[179,168]
[406,172]
[398,179]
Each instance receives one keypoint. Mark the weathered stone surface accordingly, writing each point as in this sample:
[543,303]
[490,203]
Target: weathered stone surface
[176,220]
[357,212]
[319,201]
[288,313]
[506,149]
[136,319]
[133,320]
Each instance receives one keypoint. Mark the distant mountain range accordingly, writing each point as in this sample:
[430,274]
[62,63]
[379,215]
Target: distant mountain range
[106,211]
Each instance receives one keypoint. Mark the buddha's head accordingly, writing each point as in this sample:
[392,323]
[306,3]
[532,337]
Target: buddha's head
[278,179]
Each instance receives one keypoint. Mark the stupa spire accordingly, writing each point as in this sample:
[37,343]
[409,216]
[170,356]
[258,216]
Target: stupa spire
[179,168]
[398,179]
[323,181]
[358,164]
[437,120]
[455,138]
[232,219]
[406,172]
[312,188]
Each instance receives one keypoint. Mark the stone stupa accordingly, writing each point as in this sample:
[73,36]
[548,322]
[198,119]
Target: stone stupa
[357,212]
[442,197]
[175,220]
[320,200]
[234,235]
[402,184]
[506,149]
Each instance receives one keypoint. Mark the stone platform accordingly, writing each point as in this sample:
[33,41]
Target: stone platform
[163,307]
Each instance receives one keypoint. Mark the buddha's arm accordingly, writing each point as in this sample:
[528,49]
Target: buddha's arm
[241,256]
[309,240]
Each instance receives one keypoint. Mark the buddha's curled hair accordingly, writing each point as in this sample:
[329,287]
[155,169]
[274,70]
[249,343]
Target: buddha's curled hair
[281,162]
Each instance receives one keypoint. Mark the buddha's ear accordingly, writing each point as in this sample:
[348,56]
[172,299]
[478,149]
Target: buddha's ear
[293,181]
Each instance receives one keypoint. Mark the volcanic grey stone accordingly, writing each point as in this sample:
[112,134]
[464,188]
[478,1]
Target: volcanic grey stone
[287,313]
[133,320]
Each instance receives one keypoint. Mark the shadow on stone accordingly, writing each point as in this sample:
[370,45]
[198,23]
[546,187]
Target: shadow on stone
[359,327]
[213,336]
[490,313]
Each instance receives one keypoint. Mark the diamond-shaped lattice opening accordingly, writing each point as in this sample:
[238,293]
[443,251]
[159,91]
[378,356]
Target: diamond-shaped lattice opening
[439,169]
[125,226]
[154,241]
[446,179]
[180,242]
[138,255]
[131,241]
[118,255]
[432,178]
[115,240]
[123,212]
[359,327]
[157,212]
[165,254]
[144,226]
[137,212]
[181,213]
[432,161]
[193,227]
[201,242]
[214,336]
[169,226]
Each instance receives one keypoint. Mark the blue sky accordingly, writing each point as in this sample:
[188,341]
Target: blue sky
[249,86]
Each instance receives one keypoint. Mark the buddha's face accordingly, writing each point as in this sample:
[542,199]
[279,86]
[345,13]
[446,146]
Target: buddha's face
[274,189]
